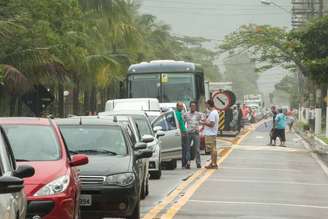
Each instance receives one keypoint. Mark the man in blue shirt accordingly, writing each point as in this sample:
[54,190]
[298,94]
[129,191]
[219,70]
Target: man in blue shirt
[280,127]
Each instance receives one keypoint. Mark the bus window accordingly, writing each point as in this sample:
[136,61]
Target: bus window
[144,85]
[179,87]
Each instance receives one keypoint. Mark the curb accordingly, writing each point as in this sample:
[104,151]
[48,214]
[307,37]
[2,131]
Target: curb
[316,144]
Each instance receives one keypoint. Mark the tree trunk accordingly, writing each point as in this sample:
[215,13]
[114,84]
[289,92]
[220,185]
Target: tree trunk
[12,105]
[93,99]
[76,96]
[61,100]
[20,107]
[86,102]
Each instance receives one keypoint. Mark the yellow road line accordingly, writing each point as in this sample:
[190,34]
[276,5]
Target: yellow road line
[168,199]
[177,206]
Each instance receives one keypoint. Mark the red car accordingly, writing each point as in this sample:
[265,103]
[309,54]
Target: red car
[53,192]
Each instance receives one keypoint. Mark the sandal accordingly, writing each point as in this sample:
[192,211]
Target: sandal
[211,166]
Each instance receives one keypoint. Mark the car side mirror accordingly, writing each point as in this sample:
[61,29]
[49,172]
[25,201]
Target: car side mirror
[160,134]
[11,184]
[140,146]
[157,128]
[79,160]
[143,154]
[147,138]
[24,171]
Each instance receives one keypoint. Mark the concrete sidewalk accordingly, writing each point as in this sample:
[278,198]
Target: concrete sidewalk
[260,181]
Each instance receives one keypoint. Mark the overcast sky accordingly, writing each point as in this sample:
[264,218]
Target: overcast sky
[214,19]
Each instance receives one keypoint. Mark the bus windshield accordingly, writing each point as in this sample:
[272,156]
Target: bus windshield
[167,87]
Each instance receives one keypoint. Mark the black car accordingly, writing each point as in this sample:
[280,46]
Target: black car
[111,182]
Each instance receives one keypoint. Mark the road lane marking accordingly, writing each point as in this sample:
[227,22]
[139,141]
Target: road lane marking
[270,148]
[168,199]
[193,188]
[261,168]
[259,203]
[267,182]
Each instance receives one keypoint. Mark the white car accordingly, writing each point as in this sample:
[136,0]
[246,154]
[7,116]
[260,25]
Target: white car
[140,104]
[171,141]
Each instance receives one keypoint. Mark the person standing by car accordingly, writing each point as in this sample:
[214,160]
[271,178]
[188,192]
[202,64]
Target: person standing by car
[184,137]
[193,118]
[281,126]
[210,131]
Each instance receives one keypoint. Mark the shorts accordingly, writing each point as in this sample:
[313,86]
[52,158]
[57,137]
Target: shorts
[281,134]
[210,142]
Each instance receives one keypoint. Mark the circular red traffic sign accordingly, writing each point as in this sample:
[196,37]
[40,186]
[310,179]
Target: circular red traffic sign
[222,100]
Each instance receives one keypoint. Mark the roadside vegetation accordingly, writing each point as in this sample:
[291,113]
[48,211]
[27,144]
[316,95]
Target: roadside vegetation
[83,47]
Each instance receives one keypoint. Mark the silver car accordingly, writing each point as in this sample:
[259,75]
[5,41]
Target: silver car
[13,202]
[171,149]
[144,133]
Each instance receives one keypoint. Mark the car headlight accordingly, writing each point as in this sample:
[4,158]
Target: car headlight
[123,179]
[57,186]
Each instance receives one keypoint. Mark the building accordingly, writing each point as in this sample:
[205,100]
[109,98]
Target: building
[303,10]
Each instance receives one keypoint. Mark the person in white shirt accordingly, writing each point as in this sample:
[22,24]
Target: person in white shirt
[211,125]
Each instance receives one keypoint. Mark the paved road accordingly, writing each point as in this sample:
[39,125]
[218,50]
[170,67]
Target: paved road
[254,181]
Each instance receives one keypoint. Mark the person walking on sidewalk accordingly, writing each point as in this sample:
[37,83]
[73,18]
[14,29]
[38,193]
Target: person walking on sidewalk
[281,126]
[184,137]
[193,118]
[210,131]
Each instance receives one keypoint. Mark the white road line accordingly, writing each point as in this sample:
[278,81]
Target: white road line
[266,182]
[269,148]
[277,161]
[260,168]
[259,203]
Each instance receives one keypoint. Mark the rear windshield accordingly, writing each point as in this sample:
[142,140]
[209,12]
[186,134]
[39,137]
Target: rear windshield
[94,139]
[33,142]
[143,126]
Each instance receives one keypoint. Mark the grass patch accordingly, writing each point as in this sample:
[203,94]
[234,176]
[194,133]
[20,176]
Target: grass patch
[324,139]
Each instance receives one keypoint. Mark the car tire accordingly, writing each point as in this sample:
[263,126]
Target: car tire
[136,212]
[157,174]
[172,165]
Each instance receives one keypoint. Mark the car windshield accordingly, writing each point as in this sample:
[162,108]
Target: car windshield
[94,139]
[143,126]
[33,143]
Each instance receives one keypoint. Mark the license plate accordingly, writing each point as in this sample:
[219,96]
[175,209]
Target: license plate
[85,200]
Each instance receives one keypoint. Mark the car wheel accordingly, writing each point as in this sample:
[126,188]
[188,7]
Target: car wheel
[136,212]
[171,165]
[157,174]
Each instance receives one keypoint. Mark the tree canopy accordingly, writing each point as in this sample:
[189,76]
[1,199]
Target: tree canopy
[83,46]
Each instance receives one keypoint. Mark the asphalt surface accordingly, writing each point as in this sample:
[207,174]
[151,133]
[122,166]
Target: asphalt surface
[260,181]
[254,181]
